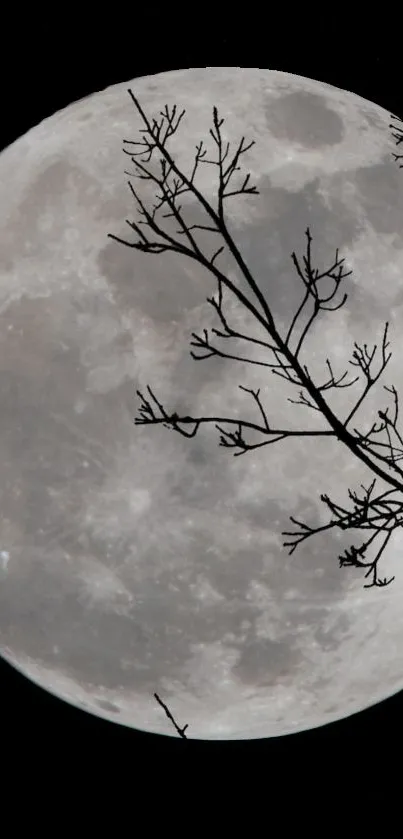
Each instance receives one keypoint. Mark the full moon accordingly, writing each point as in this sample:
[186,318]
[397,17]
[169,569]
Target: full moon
[133,560]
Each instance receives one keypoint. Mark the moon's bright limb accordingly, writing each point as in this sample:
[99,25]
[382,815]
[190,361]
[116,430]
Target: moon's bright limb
[132,560]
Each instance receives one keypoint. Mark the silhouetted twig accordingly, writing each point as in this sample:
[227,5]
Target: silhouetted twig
[397,135]
[181,731]
[379,447]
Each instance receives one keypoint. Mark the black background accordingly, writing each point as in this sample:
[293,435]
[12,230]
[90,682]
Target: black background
[48,64]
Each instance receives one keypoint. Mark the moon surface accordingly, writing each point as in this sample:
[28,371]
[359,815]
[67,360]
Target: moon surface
[133,560]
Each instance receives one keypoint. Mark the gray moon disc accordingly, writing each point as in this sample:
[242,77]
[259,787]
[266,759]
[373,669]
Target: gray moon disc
[134,560]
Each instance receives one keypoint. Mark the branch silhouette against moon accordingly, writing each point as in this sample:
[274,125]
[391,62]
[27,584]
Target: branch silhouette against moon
[397,134]
[379,447]
[181,731]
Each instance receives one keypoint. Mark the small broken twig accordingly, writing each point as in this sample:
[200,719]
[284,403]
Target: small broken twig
[181,731]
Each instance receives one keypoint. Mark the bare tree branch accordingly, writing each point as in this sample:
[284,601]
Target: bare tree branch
[380,447]
[387,516]
[157,415]
[311,278]
[397,135]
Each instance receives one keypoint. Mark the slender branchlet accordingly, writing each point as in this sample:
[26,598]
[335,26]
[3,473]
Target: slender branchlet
[181,731]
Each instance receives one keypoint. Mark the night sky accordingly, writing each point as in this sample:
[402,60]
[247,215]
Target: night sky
[59,65]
